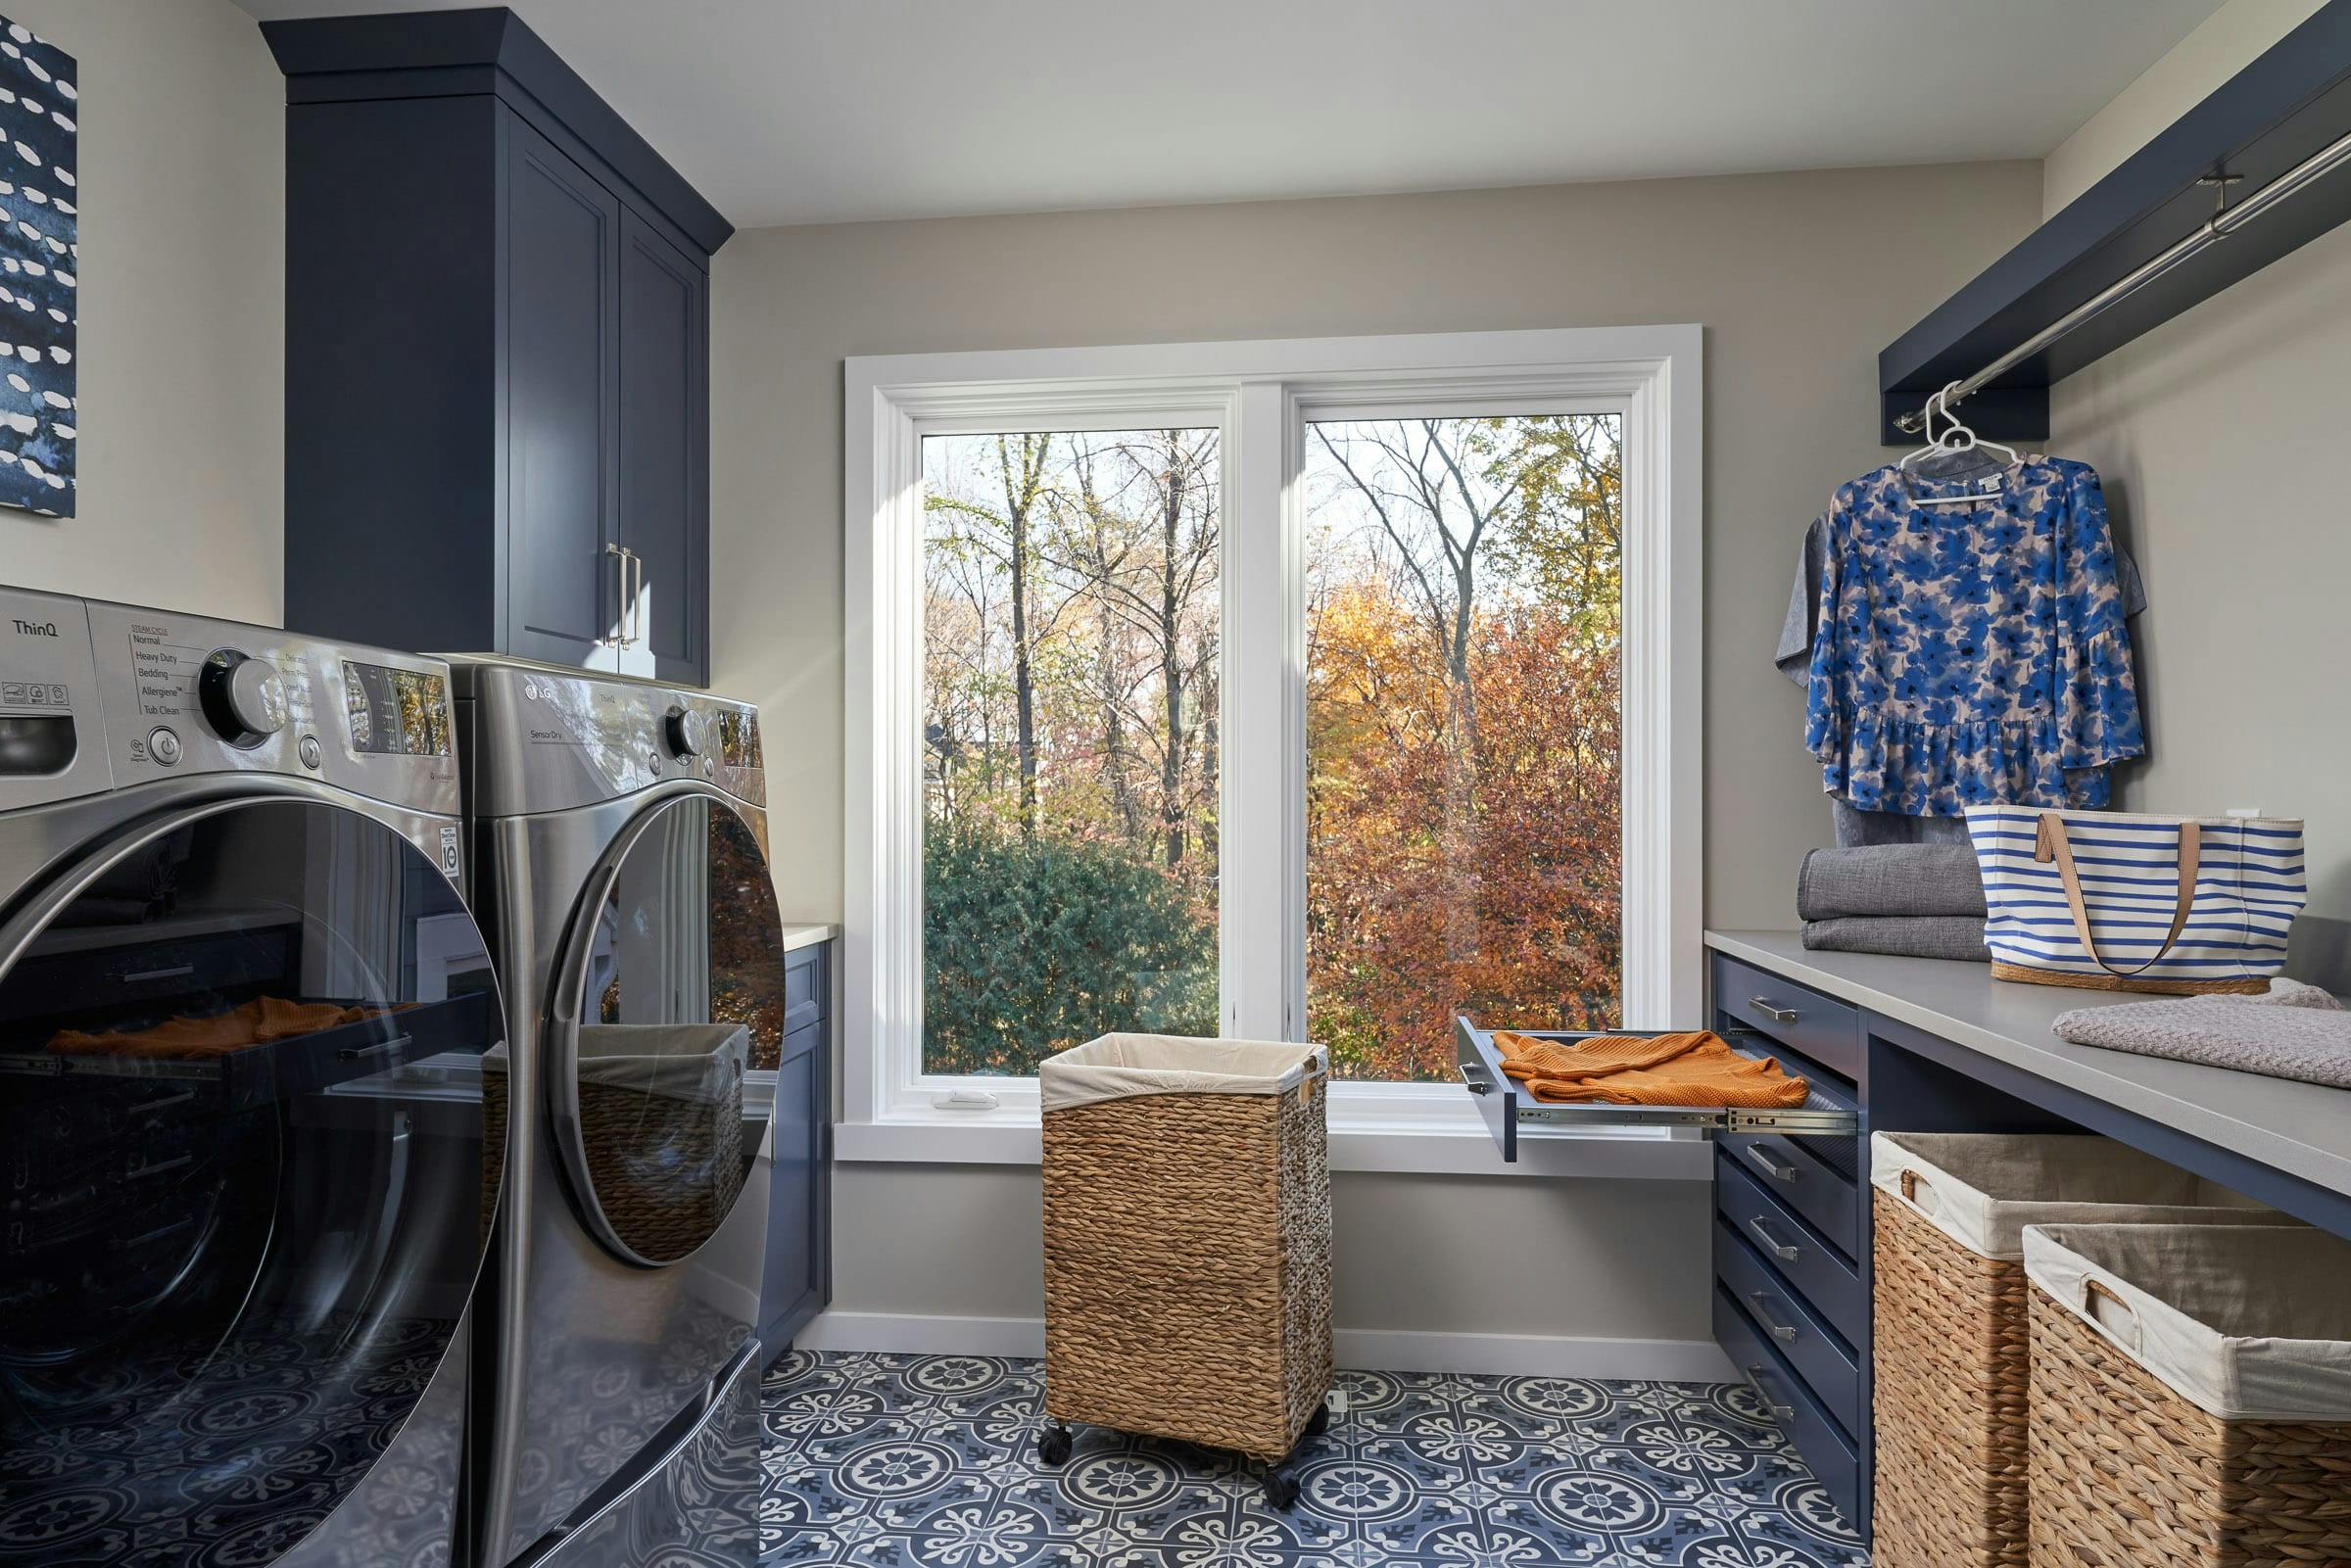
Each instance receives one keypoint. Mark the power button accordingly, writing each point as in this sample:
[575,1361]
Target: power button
[164,745]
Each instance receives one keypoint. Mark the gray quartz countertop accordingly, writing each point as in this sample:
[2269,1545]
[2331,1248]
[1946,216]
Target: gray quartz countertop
[2301,1128]
[802,935]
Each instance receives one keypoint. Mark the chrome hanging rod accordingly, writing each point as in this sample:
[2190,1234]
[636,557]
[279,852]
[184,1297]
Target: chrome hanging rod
[2226,219]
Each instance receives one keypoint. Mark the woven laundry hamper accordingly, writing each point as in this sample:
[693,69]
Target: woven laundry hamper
[1187,1244]
[1951,1337]
[2191,1395]
[661,1127]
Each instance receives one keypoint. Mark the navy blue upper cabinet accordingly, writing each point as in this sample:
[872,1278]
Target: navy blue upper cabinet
[496,353]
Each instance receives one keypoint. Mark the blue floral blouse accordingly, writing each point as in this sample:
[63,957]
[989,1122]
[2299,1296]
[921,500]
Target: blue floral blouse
[1971,654]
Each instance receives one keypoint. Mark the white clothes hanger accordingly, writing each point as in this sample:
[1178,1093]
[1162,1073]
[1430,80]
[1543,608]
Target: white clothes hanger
[1954,436]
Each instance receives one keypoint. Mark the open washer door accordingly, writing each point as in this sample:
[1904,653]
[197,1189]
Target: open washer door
[670,1020]
[243,1195]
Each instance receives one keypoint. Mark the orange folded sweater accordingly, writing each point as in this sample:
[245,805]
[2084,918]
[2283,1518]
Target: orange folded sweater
[257,1023]
[1696,1068]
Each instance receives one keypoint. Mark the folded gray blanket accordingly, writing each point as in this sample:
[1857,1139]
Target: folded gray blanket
[2296,1031]
[1890,880]
[1955,936]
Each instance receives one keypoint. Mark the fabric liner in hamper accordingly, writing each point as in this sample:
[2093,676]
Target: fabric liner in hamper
[1950,1347]
[1187,1244]
[2191,1395]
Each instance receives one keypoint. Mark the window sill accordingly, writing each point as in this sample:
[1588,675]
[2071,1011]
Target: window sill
[1371,1144]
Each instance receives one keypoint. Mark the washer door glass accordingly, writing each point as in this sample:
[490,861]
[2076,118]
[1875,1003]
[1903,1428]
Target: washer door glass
[243,1191]
[679,998]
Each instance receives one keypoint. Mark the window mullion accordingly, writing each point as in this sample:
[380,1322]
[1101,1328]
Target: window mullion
[1257,906]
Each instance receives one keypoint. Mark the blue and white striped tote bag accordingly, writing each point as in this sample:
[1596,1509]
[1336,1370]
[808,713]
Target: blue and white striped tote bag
[2127,902]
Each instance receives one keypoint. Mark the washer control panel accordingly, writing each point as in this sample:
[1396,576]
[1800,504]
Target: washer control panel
[96,695]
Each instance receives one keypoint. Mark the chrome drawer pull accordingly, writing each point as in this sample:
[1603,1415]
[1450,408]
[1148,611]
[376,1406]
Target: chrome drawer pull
[1772,1244]
[1473,1080]
[1779,1412]
[1776,1014]
[141,976]
[1784,1333]
[362,1053]
[1777,1171]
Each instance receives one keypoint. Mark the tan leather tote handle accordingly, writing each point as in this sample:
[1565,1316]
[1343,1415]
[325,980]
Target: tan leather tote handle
[2051,844]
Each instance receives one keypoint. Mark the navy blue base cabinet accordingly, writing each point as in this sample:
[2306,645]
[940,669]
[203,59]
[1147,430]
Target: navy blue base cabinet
[798,1278]
[496,353]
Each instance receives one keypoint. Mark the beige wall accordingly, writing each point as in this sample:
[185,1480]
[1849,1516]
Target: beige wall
[2221,438]
[1607,1259]
[182,405]
[2228,41]
[1799,280]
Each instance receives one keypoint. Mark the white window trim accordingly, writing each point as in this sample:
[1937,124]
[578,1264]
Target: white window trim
[1261,394]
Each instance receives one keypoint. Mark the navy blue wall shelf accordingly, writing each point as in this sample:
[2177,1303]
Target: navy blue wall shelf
[2285,107]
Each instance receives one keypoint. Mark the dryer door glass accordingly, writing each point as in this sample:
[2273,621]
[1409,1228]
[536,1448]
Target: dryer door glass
[679,988]
[243,1194]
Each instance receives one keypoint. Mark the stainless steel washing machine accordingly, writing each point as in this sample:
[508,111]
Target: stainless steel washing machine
[244,1184]
[619,840]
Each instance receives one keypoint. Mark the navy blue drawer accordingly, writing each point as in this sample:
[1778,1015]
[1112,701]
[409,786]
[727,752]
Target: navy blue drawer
[1817,1271]
[1827,1030]
[1824,1445]
[1829,1201]
[1800,1335]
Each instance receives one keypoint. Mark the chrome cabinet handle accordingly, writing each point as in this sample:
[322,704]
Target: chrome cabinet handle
[1776,1169]
[1776,1014]
[636,597]
[1779,1412]
[1772,1244]
[1784,1333]
[620,638]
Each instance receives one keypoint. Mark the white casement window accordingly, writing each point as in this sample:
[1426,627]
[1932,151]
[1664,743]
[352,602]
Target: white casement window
[1300,690]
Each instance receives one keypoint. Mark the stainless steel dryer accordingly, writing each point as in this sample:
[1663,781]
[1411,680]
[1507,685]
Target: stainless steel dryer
[619,835]
[244,1187]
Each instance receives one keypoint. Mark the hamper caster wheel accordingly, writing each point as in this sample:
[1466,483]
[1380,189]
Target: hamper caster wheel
[1320,1422]
[1282,1489]
[1053,1444]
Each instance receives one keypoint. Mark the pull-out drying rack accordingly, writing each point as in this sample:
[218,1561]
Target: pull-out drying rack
[1511,1113]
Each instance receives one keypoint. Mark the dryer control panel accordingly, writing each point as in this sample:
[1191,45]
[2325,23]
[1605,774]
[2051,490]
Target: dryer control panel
[96,695]
[549,740]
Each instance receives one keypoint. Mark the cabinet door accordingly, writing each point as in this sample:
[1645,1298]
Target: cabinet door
[794,1283]
[665,441]
[560,402]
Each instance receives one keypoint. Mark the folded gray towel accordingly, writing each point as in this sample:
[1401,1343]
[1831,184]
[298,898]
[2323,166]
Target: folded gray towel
[1890,880]
[2296,1031]
[1956,936]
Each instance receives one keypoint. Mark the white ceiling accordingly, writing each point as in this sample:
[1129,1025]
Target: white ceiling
[817,110]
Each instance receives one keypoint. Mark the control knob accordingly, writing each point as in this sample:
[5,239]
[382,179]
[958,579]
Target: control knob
[683,728]
[244,699]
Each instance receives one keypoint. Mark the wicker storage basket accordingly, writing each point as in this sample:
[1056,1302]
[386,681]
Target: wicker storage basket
[1187,1240]
[660,1125]
[1951,1356]
[2192,1397]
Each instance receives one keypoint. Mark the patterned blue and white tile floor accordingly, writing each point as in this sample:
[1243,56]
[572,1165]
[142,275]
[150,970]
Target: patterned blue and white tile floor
[911,1461]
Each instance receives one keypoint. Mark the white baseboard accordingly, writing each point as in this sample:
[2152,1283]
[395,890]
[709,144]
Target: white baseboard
[1362,1349]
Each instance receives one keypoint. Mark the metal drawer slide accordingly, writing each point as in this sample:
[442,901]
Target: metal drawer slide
[1510,1113]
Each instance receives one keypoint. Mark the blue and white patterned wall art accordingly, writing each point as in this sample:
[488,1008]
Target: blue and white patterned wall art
[40,263]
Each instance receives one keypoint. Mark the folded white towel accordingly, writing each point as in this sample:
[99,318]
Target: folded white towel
[2296,1031]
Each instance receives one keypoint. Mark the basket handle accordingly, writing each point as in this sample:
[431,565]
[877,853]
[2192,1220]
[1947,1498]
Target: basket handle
[2095,1291]
[2050,843]
[1317,1067]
